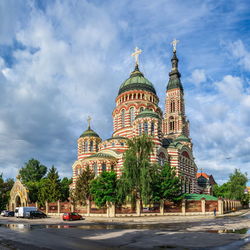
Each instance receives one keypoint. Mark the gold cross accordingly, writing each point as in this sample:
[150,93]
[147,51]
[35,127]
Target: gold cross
[89,119]
[174,43]
[136,55]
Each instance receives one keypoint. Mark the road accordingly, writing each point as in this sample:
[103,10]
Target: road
[158,233]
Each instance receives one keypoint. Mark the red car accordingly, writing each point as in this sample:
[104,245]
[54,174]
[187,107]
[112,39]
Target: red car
[72,216]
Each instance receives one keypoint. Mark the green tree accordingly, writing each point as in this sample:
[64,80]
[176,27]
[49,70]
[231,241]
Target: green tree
[103,189]
[234,188]
[81,192]
[5,187]
[65,182]
[136,177]
[167,185]
[50,187]
[237,185]
[32,171]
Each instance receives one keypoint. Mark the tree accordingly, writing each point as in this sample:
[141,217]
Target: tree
[5,187]
[167,185]
[65,182]
[103,189]
[234,188]
[50,187]
[32,171]
[81,192]
[237,185]
[135,180]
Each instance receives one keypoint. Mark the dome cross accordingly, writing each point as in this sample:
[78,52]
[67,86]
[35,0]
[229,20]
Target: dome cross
[174,43]
[89,119]
[136,55]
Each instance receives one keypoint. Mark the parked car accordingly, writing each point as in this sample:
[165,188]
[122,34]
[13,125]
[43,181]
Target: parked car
[10,214]
[36,214]
[72,216]
[4,212]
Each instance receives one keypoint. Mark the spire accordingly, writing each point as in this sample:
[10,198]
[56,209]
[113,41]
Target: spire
[174,75]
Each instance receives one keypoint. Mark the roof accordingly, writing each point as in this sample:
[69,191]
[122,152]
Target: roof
[182,138]
[89,133]
[117,138]
[137,81]
[202,174]
[198,197]
[101,155]
[174,80]
[147,113]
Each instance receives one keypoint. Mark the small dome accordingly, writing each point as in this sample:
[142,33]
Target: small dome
[137,81]
[147,113]
[182,138]
[89,133]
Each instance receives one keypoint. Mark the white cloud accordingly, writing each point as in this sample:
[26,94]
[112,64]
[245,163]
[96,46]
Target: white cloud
[239,51]
[198,76]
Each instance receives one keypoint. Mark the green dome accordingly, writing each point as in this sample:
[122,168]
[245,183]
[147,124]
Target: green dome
[89,133]
[147,113]
[137,81]
[182,138]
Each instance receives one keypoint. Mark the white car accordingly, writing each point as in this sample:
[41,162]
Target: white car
[4,212]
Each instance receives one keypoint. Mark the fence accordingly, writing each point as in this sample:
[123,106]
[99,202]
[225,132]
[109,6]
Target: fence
[184,207]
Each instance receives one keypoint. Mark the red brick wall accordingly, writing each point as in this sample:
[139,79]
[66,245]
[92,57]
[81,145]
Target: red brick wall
[193,206]
[171,207]
[211,205]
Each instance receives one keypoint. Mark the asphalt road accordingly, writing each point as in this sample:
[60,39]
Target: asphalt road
[204,233]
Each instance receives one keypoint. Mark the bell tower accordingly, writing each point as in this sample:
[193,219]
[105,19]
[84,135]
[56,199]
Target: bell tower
[175,122]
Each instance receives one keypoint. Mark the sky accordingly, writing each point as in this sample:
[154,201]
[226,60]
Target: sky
[62,61]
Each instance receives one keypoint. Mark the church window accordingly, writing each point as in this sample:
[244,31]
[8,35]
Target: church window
[145,127]
[91,146]
[122,144]
[96,147]
[95,169]
[152,128]
[139,96]
[171,123]
[140,129]
[162,159]
[141,109]
[103,167]
[86,146]
[132,115]
[113,144]
[172,106]
[123,118]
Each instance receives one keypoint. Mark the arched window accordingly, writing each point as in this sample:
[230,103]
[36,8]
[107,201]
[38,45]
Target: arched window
[91,146]
[95,169]
[132,115]
[152,128]
[86,146]
[103,167]
[96,147]
[141,109]
[172,106]
[123,118]
[145,127]
[162,158]
[171,123]
[140,128]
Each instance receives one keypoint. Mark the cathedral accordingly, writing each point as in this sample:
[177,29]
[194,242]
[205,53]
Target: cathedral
[137,112]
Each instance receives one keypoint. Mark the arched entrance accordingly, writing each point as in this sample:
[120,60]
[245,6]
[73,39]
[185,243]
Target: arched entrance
[18,201]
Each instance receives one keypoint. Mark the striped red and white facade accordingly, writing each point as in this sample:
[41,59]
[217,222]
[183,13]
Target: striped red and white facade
[137,112]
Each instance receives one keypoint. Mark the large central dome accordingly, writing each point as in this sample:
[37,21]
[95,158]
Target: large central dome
[137,81]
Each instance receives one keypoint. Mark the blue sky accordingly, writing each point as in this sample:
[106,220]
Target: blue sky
[61,61]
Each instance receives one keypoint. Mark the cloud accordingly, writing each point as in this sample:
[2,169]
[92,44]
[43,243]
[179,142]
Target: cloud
[198,76]
[61,61]
[240,53]
[220,125]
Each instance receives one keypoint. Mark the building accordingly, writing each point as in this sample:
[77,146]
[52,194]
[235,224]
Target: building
[136,112]
[205,183]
